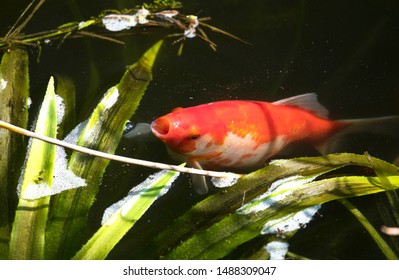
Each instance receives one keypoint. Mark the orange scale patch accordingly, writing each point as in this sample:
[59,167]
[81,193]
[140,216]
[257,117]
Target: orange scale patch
[246,156]
[208,145]
[240,162]
[240,132]
[225,161]
[218,136]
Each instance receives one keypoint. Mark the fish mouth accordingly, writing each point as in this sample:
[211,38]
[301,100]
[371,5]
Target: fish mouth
[160,127]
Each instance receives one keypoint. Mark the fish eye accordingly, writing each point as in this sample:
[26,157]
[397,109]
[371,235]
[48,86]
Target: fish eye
[193,136]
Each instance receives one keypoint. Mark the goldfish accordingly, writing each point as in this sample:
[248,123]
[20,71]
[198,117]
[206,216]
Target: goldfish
[243,134]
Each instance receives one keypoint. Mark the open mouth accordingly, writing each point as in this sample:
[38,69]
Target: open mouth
[160,127]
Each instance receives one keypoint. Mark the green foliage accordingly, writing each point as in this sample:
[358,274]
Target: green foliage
[14,93]
[102,132]
[126,215]
[388,252]
[163,5]
[29,227]
[126,21]
[230,228]
[50,227]
[33,236]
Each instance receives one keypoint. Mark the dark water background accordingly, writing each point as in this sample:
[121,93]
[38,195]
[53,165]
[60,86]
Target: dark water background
[345,51]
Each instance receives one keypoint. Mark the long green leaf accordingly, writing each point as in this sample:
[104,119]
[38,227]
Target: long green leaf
[381,169]
[14,94]
[125,214]
[65,88]
[27,237]
[388,252]
[102,132]
[215,207]
[222,237]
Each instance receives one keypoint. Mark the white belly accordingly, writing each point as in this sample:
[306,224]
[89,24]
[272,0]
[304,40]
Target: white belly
[235,152]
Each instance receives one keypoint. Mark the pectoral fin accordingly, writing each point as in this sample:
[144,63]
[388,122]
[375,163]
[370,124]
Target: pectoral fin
[199,181]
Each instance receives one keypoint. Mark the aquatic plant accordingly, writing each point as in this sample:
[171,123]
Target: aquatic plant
[56,194]
[158,14]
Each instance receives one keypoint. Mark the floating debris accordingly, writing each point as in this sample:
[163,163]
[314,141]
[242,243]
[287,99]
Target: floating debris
[84,24]
[167,14]
[393,231]
[141,16]
[115,22]
[118,22]
[190,32]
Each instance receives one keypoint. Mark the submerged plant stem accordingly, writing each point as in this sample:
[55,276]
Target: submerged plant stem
[17,27]
[388,252]
[96,153]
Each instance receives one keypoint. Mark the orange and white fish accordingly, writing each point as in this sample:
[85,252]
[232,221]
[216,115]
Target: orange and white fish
[243,135]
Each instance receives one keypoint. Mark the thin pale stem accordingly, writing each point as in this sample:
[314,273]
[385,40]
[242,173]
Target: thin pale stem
[96,153]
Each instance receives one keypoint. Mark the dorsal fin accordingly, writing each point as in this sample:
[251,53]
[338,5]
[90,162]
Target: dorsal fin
[176,109]
[307,101]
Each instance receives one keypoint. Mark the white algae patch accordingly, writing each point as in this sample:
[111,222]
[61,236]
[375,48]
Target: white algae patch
[63,179]
[74,135]
[277,191]
[28,102]
[125,204]
[94,124]
[291,222]
[224,182]
[3,84]
[59,103]
[277,250]
[111,96]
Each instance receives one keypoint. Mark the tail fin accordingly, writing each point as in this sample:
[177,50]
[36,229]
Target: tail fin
[385,126]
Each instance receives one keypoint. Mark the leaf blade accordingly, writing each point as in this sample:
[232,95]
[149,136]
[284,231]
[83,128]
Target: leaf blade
[125,216]
[14,91]
[27,236]
[102,132]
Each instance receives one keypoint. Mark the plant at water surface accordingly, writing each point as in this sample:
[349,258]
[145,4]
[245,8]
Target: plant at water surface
[114,24]
[56,194]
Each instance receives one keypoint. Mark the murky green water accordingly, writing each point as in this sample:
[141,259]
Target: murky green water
[345,52]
